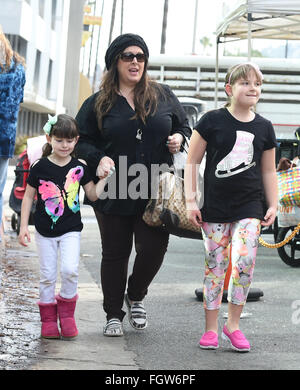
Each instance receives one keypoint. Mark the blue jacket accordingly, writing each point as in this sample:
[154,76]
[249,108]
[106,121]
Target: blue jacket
[11,95]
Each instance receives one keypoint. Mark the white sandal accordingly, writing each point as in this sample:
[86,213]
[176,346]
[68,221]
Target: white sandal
[113,328]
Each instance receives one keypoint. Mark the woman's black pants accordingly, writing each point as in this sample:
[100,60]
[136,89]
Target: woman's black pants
[117,233]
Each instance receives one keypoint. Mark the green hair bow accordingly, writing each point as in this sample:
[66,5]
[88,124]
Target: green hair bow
[52,120]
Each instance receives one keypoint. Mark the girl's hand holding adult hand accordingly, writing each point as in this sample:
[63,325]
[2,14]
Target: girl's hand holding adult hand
[174,143]
[270,216]
[104,167]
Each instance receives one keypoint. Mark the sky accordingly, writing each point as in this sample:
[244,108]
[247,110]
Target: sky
[144,17]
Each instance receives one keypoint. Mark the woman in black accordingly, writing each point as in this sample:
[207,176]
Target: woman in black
[132,122]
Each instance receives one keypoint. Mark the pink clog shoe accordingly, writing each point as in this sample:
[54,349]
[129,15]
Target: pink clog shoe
[237,340]
[209,340]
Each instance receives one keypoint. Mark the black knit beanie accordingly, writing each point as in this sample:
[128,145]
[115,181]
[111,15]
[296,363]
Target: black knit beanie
[120,43]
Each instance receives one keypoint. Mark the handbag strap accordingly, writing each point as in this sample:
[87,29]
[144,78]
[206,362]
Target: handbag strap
[173,171]
[173,168]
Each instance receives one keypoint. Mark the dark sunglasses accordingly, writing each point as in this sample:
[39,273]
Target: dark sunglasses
[128,57]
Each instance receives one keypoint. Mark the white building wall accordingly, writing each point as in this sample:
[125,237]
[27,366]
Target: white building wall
[50,46]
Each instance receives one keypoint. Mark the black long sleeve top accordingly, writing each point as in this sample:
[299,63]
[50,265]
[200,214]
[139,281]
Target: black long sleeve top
[128,142]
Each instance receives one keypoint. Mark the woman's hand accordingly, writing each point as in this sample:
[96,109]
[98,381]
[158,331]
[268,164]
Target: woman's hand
[284,164]
[104,167]
[270,216]
[174,143]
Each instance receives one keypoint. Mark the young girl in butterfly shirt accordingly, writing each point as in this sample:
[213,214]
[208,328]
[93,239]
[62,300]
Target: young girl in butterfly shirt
[240,170]
[55,179]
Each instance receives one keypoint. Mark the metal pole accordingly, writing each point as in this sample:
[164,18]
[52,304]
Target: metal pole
[122,16]
[164,28]
[195,26]
[217,73]
[92,41]
[112,21]
[97,50]
[249,17]
[286,49]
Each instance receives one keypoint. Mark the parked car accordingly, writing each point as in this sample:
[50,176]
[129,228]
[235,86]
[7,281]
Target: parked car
[194,108]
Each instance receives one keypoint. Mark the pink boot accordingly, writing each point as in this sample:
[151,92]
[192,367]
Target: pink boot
[66,309]
[48,313]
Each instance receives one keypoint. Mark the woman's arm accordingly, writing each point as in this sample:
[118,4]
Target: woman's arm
[180,124]
[269,178]
[195,155]
[91,144]
[25,213]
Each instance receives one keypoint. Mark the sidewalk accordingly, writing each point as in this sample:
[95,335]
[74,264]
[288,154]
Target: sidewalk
[90,350]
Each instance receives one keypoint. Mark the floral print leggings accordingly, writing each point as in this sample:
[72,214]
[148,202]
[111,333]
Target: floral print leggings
[219,238]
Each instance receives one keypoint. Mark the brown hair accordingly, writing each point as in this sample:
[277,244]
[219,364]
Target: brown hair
[145,94]
[9,53]
[241,71]
[65,127]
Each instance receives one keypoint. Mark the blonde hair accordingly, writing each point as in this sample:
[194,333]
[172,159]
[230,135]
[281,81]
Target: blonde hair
[241,71]
[8,52]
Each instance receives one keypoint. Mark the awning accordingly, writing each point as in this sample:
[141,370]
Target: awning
[268,19]
[264,19]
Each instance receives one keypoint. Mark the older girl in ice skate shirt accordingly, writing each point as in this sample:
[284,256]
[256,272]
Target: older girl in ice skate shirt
[240,169]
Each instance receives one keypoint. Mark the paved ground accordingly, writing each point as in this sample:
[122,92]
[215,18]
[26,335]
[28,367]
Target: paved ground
[20,344]
[176,318]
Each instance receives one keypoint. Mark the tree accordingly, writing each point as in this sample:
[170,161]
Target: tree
[164,28]
[240,53]
[205,42]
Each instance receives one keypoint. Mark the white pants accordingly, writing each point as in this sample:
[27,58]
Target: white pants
[48,248]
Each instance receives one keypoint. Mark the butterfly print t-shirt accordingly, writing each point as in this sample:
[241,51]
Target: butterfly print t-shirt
[58,209]
[233,187]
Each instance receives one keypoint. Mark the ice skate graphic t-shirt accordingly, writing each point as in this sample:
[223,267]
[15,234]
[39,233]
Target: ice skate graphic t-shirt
[233,187]
[58,208]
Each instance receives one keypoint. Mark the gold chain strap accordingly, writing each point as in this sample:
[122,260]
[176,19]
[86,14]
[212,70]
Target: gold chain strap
[280,244]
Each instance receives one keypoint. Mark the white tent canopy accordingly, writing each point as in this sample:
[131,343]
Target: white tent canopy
[264,19]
